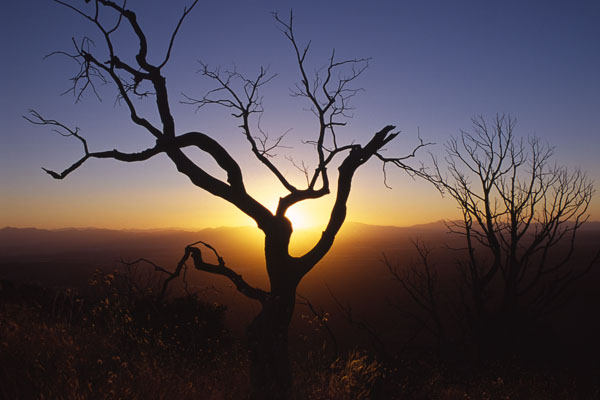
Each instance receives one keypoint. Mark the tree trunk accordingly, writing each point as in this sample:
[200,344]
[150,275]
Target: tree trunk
[270,373]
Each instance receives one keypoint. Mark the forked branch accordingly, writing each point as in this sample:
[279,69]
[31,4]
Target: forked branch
[219,269]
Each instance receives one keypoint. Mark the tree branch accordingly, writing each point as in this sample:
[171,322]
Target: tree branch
[357,157]
[221,269]
[36,119]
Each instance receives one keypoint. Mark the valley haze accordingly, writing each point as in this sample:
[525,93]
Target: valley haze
[353,271]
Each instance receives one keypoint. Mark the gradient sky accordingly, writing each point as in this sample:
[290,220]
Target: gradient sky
[435,64]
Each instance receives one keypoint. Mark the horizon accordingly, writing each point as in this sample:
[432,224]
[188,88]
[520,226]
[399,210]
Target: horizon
[311,228]
[303,229]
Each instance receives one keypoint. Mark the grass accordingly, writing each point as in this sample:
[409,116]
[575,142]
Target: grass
[111,345]
[118,343]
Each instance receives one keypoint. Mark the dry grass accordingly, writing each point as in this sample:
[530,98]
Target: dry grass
[115,345]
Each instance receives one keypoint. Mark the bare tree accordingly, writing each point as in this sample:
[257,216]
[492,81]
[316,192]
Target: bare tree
[361,325]
[321,320]
[419,279]
[520,218]
[328,92]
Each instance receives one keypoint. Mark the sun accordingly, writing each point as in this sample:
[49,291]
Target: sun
[300,218]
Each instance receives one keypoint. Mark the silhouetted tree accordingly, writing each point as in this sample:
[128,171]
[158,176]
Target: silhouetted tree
[328,92]
[376,343]
[520,217]
[419,279]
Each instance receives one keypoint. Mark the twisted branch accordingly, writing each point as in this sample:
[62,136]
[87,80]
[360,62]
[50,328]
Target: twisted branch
[219,269]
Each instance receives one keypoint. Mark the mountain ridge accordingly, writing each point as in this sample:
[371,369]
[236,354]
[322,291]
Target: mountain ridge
[439,224]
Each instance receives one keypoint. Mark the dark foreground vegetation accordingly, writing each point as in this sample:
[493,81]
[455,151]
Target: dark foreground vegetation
[112,340]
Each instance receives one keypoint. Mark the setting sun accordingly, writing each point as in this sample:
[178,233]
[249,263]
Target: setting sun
[300,219]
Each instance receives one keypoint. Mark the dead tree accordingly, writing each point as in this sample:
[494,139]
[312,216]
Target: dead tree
[520,218]
[419,279]
[327,91]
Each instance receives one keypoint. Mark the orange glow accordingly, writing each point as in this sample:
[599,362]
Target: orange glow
[298,218]
[83,202]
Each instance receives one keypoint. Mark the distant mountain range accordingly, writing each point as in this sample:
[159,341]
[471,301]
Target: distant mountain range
[353,269]
[32,243]
[242,247]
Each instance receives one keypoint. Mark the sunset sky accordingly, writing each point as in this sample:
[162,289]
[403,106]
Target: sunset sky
[434,66]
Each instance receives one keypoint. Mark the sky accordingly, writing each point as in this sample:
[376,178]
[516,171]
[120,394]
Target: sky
[434,65]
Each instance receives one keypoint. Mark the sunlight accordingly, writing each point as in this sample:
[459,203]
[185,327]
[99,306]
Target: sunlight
[300,218]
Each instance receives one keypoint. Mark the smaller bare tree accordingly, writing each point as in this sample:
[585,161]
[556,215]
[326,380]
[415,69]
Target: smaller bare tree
[520,217]
[419,279]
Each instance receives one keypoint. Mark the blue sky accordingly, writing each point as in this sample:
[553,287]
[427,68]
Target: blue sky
[435,64]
